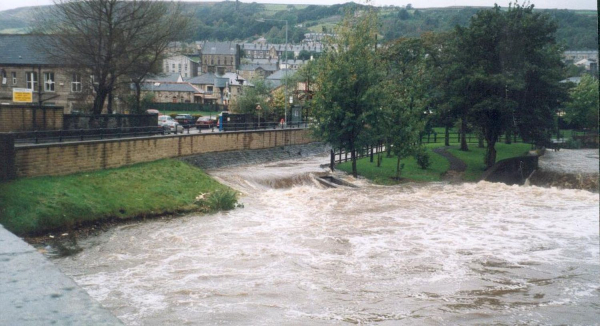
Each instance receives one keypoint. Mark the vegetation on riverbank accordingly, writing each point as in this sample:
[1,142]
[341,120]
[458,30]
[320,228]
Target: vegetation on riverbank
[387,171]
[439,165]
[33,206]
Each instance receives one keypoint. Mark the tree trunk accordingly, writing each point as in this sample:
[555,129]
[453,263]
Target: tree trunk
[398,168]
[447,136]
[463,135]
[99,101]
[353,158]
[110,102]
[388,149]
[138,97]
[508,136]
[379,159]
[480,141]
[490,155]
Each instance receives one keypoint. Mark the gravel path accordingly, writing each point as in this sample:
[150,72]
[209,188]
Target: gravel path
[457,167]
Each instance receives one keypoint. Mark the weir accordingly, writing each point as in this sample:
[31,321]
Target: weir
[302,253]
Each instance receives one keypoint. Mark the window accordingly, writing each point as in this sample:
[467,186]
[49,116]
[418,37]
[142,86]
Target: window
[76,83]
[3,77]
[209,89]
[14,77]
[48,82]
[32,79]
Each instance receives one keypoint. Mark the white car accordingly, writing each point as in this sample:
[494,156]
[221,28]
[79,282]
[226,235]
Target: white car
[169,124]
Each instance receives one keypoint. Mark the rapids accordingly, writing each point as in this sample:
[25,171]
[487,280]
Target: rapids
[299,253]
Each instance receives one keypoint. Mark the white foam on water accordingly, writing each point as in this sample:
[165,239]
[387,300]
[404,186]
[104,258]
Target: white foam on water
[416,253]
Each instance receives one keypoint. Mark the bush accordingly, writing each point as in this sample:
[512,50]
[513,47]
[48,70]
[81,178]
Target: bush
[422,158]
[218,200]
[572,144]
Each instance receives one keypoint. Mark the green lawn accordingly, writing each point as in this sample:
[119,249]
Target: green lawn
[474,157]
[387,171]
[35,205]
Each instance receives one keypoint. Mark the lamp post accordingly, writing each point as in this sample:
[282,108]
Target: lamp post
[286,63]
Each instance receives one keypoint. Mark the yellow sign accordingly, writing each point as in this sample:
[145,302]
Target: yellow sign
[22,95]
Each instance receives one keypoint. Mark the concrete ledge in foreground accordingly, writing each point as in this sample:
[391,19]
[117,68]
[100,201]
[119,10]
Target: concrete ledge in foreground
[34,292]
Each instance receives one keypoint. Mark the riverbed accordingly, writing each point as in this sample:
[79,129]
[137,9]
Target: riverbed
[299,253]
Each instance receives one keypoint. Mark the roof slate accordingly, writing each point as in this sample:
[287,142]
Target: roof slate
[24,50]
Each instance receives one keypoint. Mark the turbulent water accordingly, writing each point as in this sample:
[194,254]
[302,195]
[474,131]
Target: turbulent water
[302,254]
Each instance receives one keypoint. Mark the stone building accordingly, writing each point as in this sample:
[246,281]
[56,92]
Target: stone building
[187,66]
[219,57]
[24,66]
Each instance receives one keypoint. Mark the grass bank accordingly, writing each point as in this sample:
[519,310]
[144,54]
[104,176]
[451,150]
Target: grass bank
[33,206]
[411,171]
[474,157]
[439,165]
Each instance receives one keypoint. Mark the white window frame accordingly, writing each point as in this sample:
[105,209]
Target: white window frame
[14,77]
[76,83]
[3,77]
[31,79]
[49,82]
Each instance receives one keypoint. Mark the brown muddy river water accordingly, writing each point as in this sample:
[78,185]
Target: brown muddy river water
[302,254]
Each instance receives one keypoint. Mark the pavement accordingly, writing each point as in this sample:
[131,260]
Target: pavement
[33,291]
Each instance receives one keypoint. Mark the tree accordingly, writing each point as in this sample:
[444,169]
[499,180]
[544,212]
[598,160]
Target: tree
[252,96]
[346,85]
[111,39]
[404,97]
[510,76]
[581,111]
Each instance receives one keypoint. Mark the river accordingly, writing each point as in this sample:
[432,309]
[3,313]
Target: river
[298,253]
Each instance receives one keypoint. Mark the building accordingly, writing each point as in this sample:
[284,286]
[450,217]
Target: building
[172,92]
[23,65]
[576,56]
[257,70]
[186,66]
[254,51]
[219,57]
[218,89]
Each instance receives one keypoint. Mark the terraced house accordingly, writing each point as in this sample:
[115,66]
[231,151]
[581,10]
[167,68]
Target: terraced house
[25,65]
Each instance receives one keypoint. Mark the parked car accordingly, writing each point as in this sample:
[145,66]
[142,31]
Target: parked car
[152,111]
[185,120]
[205,122]
[169,124]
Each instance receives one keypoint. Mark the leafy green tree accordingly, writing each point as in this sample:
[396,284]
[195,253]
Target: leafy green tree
[257,94]
[581,111]
[513,69]
[347,79]
[404,97]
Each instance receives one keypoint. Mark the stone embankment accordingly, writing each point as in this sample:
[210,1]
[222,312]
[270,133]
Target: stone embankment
[209,161]
[568,168]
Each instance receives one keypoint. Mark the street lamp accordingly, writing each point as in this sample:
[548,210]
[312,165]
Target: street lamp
[262,20]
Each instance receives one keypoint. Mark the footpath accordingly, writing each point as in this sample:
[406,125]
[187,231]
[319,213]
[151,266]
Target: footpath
[34,292]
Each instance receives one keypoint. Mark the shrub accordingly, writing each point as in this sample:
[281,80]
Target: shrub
[218,200]
[572,144]
[422,158]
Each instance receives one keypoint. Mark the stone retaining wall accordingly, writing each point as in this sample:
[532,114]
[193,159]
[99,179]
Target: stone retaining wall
[67,158]
[30,118]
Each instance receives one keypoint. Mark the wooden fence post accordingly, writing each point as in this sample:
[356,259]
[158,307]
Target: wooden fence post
[332,160]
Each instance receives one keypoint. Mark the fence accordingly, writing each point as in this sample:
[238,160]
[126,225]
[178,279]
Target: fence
[255,125]
[188,107]
[360,153]
[433,138]
[110,121]
[58,136]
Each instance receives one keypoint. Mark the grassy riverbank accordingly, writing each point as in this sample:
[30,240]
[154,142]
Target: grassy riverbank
[439,165]
[35,205]
[411,171]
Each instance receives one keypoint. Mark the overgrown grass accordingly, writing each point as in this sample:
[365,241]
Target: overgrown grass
[474,157]
[387,172]
[35,205]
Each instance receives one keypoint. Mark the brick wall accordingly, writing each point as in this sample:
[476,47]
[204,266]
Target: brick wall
[22,118]
[67,158]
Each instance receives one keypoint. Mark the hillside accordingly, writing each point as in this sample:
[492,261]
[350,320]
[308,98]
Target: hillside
[229,20]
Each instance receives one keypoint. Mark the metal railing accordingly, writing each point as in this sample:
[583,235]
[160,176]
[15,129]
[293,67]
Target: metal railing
[243,126]
[53,136]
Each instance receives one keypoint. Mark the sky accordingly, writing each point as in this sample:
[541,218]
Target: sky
[545,4]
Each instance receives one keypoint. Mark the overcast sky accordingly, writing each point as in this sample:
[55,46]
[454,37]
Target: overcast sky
[560,4]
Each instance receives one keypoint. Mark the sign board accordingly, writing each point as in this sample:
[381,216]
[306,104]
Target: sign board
[22,95]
